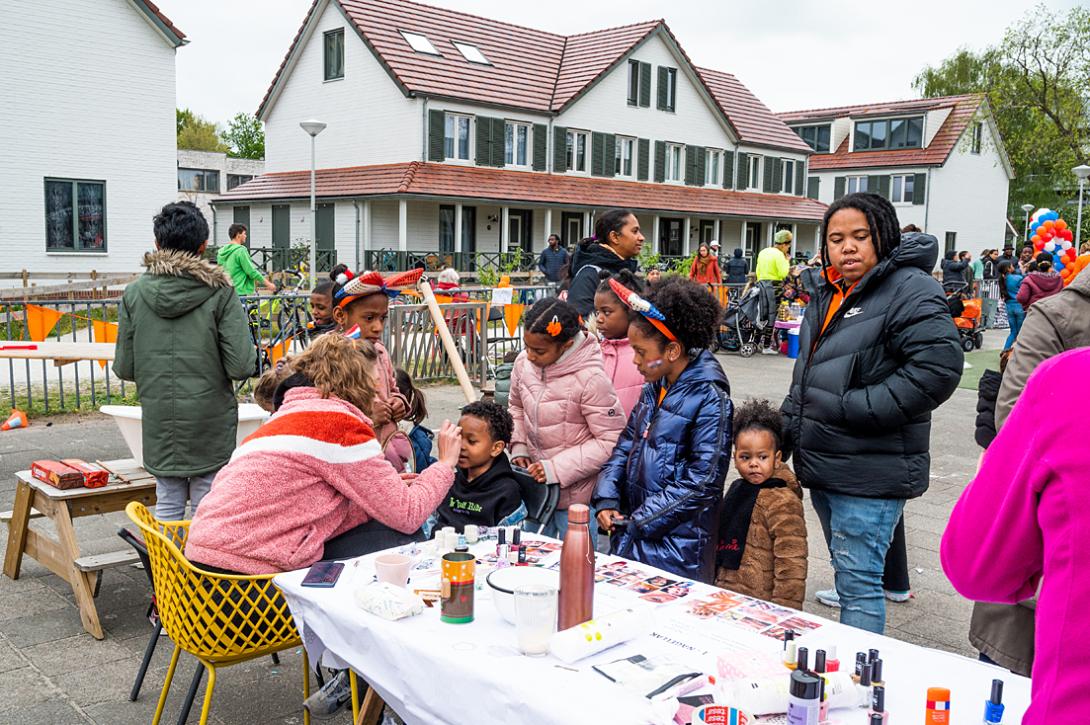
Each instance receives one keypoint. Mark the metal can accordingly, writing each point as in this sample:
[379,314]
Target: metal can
[456,602]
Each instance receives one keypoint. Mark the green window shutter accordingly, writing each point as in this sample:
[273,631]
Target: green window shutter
[609,156]
[883,185]
[484,141]
[918,188]
[643,150]
[498,127]
[560,149]
[743,169]
[728,169]
[660,161]
[800,177]
[541,145]
[874,184]
[597,154]
[770,164]
[813,185]
[838,187]
[777,173]
[436,133]
[645,85]
[663,100]
[691,153]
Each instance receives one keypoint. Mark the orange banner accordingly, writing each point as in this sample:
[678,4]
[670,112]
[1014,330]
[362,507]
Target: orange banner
[40,321]
[104,332]
[279,350]
[512,313]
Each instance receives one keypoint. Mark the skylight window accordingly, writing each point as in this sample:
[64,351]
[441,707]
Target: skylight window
[471,53]
[419,43]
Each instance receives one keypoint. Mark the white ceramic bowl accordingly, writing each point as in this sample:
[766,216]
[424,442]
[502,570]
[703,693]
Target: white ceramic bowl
[129,419]
[504,582]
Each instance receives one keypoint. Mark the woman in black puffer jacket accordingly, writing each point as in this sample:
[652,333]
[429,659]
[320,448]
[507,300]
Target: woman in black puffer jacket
[878,353]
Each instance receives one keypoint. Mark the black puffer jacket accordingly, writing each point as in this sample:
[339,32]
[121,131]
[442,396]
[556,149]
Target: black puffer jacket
[987,390]
[589,259]
[858,414]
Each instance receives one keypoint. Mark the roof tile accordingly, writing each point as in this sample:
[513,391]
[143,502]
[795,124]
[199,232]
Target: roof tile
[753,120]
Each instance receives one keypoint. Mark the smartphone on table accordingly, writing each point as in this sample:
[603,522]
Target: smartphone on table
[323,574]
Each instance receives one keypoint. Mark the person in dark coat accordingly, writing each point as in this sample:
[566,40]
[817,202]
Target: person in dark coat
[665,476]
[553,260]
[615,245]
[878,353]
[987,390]
[737,268]
[953,271]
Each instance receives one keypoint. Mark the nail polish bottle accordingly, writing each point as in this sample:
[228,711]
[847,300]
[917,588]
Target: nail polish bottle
[832,664]
[804,699]
[819,670]
[516,544]
[878,704]
[501,547]
[789,648]
[864,686]
[819,661]
[802,662]
[993,708]
[876,719]
[876,673]
[872,655]
[860,660]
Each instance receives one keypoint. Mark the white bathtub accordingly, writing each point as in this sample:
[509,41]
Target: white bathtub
[128,419]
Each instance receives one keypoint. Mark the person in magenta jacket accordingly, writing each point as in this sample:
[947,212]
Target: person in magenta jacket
[566,414]
[611,318]
[1022,523]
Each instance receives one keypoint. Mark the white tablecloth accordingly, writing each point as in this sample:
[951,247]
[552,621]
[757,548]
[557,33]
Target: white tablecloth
[432,672]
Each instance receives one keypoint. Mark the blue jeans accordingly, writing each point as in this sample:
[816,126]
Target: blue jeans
[858,532]
[558,526]
[1016,315]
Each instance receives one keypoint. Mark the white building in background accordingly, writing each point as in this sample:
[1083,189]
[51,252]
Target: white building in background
[940,161]
[87,148]
[451,135]
[204,175]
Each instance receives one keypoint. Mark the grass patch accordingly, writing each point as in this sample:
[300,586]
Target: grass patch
[980,360]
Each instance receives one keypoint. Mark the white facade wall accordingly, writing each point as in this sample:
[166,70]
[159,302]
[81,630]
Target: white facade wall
[969,195]
[102,109]
[932,122]
[370,121]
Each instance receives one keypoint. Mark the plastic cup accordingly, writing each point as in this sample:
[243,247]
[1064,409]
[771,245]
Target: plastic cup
[535,618]
[393,569]
[472,533]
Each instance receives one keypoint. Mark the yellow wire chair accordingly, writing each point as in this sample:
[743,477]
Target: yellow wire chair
[218,618]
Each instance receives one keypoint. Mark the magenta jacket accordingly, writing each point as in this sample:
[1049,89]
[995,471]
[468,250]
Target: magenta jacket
[312,472]
[567,416]
[1024,522]
[1037,286]
[627,381]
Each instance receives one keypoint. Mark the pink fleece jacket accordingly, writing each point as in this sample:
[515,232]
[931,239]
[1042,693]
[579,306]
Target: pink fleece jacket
[1023,521]
[627,381]
[395,444]
[313,471]
[567,416]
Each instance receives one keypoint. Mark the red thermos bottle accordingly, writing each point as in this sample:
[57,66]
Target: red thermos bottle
[576,571]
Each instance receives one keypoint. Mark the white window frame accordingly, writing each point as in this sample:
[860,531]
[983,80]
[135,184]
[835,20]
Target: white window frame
[513,127]
[977,138]
[860,183]
[453,119]
[713,167]
[420,43]
[572,151]
[787,182]
[754,169]
[471,52]
[898,192]
[675,151]
[620,158]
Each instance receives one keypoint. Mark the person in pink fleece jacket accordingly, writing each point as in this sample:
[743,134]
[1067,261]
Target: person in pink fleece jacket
[611,318]
[1022,523]
[566,414]
[314,471]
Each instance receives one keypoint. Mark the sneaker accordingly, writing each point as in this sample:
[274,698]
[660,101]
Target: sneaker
[830,598]
[329,700]
[899,597]
[769,351]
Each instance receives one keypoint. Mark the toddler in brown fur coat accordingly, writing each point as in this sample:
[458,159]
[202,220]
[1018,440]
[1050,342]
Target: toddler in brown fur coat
[762,533]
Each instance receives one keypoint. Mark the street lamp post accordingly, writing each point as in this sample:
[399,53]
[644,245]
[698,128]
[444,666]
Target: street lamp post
[1082,171]
[313,128]
[1027,208]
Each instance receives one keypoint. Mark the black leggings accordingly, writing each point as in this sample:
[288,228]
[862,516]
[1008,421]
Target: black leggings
[895,576]
[367,538]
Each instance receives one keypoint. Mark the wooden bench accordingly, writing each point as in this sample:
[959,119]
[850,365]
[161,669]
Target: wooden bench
[97,563]
[5,516]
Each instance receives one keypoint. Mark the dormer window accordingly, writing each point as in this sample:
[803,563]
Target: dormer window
[817,137]
[419,43]
[894,133]
[471,53]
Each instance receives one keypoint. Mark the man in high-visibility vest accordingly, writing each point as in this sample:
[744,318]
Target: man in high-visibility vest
[772,263]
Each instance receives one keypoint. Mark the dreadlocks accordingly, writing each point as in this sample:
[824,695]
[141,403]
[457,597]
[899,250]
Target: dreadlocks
[881,218]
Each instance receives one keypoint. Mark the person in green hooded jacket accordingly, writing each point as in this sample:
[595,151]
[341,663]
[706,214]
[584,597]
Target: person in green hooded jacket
[234,257]
[182,338]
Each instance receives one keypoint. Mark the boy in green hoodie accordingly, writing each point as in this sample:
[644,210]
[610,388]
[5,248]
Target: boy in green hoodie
[182,338]
[234,257]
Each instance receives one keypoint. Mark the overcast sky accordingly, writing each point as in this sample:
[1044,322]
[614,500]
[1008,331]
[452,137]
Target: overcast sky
[793,54]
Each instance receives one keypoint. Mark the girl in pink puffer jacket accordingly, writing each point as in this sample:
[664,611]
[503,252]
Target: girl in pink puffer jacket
[611,317]
[566,413]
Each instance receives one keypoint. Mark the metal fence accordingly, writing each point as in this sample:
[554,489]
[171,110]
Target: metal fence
[278,259]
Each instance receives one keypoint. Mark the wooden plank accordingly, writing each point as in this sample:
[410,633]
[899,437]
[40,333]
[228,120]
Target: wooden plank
[6,516]
[83,583]
[98,562]
[113,500]
[57,350]
[47,551]
[17,530]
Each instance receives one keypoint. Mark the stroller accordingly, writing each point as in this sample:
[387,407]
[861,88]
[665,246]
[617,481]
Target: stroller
[966,312]
[746,320]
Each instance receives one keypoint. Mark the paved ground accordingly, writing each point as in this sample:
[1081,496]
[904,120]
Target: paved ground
[51,672]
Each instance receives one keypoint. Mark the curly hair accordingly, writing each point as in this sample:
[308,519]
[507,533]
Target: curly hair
[692,314]
[625,277]
[540,316]
[758,415]
[340,367]
[500,423]
[265,388]
[885,230]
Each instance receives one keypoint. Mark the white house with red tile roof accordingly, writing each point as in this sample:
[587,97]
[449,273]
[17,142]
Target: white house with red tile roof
[940,161]
[88,141]
[450,133]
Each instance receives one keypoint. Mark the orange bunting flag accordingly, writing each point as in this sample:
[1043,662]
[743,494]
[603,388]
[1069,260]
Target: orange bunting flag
[279,350]
[512,313]
[40,321]
[104,332]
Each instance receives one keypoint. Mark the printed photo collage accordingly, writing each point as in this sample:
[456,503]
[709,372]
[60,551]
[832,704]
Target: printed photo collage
[754,615]
[641,583]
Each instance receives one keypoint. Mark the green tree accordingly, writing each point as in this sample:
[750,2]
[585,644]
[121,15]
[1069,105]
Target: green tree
[245,136]
[197,134]
[1037,83]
